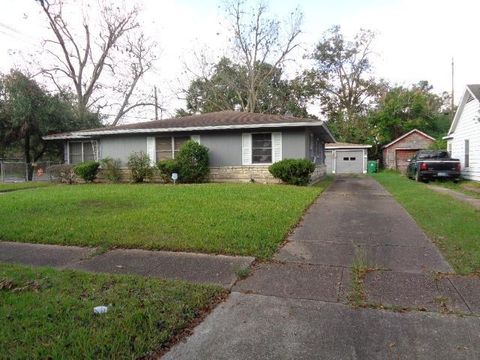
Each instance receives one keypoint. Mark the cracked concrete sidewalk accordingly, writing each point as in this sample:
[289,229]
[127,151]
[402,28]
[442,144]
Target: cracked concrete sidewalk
[201,268]
[296,307]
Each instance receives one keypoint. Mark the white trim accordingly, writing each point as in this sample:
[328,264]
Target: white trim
[246,149]
[407,134]
[459,111]
[151,149]
[67,152]
[335,147]
[186,129]
[195,138]
[365,160]
[276,147]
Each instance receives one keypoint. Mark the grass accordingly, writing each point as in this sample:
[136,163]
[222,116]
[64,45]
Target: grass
[453,225]
[470,188]
[48,314]
[4,187]
[239,219]
[359,269]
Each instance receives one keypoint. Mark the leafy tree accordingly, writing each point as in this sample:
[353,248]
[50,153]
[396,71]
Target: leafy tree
[343,82]
[404,109]
[28,112]
[224,87]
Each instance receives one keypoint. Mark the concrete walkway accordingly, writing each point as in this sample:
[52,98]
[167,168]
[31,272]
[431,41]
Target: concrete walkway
[457,195]
[199,268]
[297,306]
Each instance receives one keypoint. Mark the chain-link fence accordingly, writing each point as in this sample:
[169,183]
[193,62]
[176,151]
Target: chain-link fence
[17,171]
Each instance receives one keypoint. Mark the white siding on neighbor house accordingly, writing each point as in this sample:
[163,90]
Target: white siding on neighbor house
[468,128]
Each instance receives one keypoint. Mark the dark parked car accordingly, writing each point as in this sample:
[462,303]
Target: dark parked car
[433,164]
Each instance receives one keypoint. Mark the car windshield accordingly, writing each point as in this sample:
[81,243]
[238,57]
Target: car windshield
[433,154]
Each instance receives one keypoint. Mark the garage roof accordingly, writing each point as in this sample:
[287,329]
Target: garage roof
[408,134]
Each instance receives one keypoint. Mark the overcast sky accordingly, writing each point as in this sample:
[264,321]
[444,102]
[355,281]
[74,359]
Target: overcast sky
[416,39]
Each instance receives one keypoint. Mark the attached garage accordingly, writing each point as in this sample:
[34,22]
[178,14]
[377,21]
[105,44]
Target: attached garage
[345,158]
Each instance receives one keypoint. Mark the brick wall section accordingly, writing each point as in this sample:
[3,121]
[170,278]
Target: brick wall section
[234,174]
[414,141]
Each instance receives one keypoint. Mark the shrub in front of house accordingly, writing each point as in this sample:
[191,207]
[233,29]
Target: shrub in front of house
[111,169]
[293,171]
[166,168]
[139,166]
[87,170]
[62,173]
[192,162]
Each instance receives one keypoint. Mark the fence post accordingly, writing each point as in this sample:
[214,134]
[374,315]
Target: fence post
[2,171]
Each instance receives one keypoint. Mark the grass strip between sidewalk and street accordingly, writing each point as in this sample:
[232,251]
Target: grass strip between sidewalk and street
[48,314]
[452,224]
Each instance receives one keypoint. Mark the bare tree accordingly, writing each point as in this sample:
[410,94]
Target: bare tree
[260,40]
[141,56]
[83,60]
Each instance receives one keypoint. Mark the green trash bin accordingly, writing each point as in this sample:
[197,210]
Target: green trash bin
[372,166]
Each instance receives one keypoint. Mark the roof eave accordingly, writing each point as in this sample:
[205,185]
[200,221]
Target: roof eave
[89,134]
[405,135]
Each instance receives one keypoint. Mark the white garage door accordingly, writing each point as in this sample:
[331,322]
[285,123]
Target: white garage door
[349,162]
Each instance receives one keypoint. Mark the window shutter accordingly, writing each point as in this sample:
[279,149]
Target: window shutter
[66,152]
[246,149]
[276,146]
[195,138]
[151,149]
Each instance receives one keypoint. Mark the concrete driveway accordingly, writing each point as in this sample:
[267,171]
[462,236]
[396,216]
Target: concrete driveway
[296,307]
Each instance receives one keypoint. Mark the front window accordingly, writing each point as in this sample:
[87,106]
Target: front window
[168,146]
[81,151]
[262,148]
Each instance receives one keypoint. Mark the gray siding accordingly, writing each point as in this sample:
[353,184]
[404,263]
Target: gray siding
[120,147]
[225,149]
[293,144]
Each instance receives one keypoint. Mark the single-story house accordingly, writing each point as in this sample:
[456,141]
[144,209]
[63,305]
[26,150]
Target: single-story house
[241,145]
[463,139]
[397,152]
[345,158]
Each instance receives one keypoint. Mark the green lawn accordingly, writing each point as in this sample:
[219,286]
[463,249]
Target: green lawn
[470,188]
[240,219]
[48,314]
[4,187]
[452,224]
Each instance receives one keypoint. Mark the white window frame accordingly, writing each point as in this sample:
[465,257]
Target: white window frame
[195,138]
[247,148]
[93,143]
[271,148]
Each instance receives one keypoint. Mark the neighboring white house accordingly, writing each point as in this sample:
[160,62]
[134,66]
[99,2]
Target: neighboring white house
[463,139]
